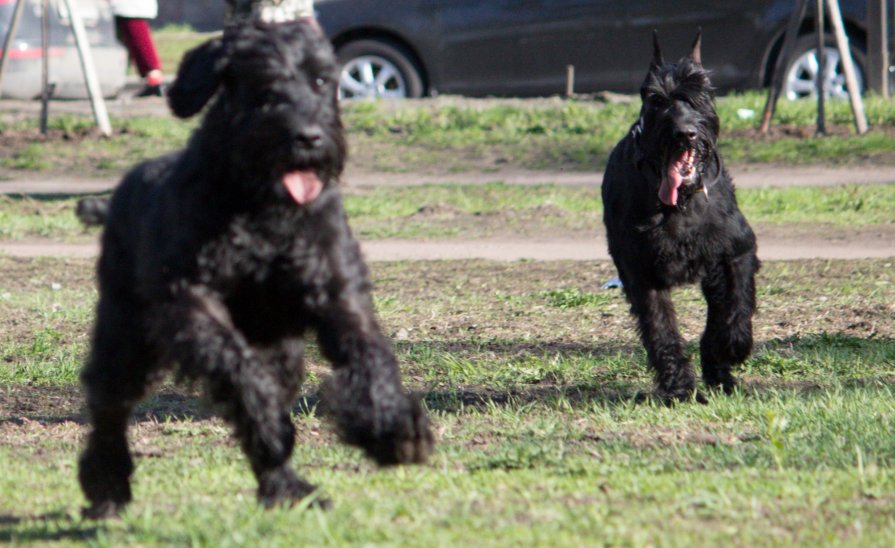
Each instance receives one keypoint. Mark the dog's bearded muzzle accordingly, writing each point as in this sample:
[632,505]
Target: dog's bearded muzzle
[682,174]
[299,161]
[307,148]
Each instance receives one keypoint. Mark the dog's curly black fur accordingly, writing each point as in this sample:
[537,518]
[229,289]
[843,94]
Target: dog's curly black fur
[672,218]
[211,264]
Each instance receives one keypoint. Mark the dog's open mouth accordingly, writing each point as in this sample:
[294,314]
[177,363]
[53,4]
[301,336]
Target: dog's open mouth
[681,169]
[303,185]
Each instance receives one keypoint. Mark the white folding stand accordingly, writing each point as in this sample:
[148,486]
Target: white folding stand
[7,42]
[97,103]
[100,114]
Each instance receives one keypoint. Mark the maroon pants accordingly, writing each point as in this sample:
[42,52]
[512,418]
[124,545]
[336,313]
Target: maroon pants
[135,35]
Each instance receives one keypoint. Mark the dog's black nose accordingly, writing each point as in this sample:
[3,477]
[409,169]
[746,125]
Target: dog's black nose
[310,136]
[685,134]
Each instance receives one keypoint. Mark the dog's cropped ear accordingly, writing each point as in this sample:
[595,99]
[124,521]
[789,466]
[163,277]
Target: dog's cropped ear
[198,78]
[657,61]
[696,52]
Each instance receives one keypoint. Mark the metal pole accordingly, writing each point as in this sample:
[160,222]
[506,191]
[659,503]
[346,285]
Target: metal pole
[789,40]
[821,69]
[7,42]
[100,114]
[848,67]
[45,66]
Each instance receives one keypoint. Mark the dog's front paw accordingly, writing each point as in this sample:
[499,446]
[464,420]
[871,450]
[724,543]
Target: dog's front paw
[411,443]
[418,446]
[720,380]
[671,397]
[104,477]
[282,487]
[106,509]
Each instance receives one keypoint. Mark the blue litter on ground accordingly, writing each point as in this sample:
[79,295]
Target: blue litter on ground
[612,284]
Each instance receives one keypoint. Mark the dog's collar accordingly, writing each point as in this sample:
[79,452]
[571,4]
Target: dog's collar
[706,181]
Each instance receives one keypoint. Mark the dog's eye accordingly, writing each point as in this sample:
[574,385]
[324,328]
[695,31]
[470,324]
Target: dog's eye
[319,83]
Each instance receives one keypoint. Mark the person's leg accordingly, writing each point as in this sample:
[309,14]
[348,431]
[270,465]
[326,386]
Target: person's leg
[137,38]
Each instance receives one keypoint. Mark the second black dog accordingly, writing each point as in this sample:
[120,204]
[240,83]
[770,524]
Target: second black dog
[672,218]
[219,258]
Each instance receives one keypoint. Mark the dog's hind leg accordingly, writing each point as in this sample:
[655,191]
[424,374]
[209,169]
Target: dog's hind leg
[371,408]
[200,336]
[115,378]
[665,348]
[729,290]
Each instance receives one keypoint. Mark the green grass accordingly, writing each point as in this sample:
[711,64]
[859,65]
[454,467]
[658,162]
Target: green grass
[746,470]
[847,205]
[74,150]
[452,121]
[172,41]
[844,205]
[448,135]
[802,112]
[811,150]
[531,376]
[38,218]
[580,134]
[501,210]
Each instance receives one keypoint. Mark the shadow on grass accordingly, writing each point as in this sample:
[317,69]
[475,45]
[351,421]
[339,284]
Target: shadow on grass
[20,403]
[51,197]
[458,400]
[503,349]
[54,526]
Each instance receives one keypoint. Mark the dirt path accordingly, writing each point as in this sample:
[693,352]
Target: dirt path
[773,245]
[770,249]
[745,177]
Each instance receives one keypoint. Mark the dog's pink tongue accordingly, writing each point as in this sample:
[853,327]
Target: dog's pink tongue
[671,182]
[303,186]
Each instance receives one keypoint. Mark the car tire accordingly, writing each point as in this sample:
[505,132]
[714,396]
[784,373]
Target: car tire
[799,77]
[378,69]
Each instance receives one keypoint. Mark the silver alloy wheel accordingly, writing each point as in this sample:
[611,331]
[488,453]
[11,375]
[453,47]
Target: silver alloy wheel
[371,76]
[801,76]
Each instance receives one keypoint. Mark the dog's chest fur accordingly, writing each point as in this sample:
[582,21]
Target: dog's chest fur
[284,245]
[680,243]
[275,267]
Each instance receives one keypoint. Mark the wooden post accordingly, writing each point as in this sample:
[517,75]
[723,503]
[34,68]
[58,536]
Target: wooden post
[789,40]
[848,67]
[87,67]
[821,69]
[570,80]
[10,34]
[45,67]
[878,47]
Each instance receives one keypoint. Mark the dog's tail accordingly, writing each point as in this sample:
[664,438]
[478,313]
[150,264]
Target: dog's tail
[93,211]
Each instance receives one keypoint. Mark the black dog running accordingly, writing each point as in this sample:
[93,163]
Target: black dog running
[220,257]
[672,218]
